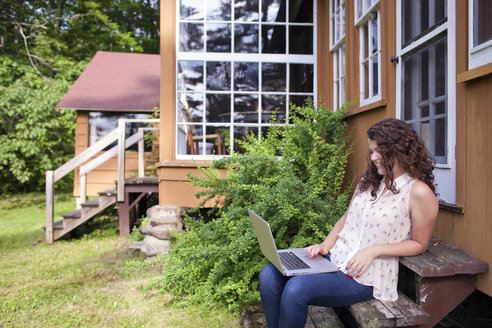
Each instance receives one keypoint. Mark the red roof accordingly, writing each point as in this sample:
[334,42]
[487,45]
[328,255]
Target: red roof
[115,81]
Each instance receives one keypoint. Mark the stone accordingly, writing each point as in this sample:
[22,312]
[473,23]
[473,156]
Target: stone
[252,316]
[154,246]
[162,231]
[163,215]
[137,245]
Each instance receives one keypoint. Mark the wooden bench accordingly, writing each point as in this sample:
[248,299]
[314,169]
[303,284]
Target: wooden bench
[430,286]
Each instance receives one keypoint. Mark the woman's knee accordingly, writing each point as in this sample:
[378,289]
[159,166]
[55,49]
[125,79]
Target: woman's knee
[270,277]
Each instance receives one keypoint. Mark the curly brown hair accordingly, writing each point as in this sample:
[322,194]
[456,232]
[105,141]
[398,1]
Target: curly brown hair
[397,140]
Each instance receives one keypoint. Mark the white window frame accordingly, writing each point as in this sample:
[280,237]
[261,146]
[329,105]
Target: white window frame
[232,57]
[445,174]
[362,18]
[337,48]
[481,54]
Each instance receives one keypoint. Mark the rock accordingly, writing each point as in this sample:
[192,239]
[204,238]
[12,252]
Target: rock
[154,246]
[162,231]
[252,316]
[137,245]
[164,215]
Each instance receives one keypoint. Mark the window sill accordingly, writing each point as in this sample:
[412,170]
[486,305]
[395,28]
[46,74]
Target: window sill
[375,105]
[451,207]
[183,164]
[474,74]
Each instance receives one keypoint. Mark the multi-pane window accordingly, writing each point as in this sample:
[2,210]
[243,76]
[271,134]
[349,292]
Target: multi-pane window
[480,37]
[427,57]
[337,47]
[239,64]
[367,19]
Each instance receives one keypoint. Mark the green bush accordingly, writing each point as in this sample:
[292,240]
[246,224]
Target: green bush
[293,178]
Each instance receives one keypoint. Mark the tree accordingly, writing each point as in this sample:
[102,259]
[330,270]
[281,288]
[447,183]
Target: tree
[44,46]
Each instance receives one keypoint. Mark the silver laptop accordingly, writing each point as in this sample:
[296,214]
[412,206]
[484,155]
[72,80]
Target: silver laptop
[290,262]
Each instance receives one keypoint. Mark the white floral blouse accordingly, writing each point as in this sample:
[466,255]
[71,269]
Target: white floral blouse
[374,222]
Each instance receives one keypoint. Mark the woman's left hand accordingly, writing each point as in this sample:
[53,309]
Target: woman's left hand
[361,261]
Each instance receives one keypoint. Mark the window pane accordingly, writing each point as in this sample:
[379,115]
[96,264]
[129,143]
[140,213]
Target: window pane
[270,103]
[245,108]
[218,108]
[273,39]
[301,40]
[482,26]
[190,140]
[440,108]
[191,9]
[424,75]
[218,37]
[245,76]
[273,10]
[440,136]
[373,25]
[365,65]
[273,77]
[375,76]
[219,10]
[246,38]
[420,16]
[440,67]
[424,111]
[298,100]
[246,10]
[190,75]
[240,132]
[191,37]
[191,107]
[301,77]
[216,140]
[301,11]
[218,75]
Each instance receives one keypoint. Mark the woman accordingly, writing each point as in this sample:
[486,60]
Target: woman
[391,214]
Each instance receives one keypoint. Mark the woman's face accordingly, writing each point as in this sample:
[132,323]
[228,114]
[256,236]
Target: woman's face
[375,156]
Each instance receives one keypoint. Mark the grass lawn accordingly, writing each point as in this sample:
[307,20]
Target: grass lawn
[91,280]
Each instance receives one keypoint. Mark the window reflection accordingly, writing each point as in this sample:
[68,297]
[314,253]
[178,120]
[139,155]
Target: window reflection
[246,38]
[270,103]
[300,11]
[273,11]
[218,75]
[273,39]
[245,76]
[190,75]
[218,37]
[301,40]
[191,37]
[219,10]
[191,107]
[246,108]
[191,9]
[241,132]
[301,77]
[218,107]
[273,77]
[246,10]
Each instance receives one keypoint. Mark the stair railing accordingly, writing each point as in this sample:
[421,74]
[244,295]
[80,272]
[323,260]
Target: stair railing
[118,134]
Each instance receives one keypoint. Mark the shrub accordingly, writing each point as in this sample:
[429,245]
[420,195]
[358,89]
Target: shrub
[293,178]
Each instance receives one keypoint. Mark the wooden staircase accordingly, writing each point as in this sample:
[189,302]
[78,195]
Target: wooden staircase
[86,162]
[87,211]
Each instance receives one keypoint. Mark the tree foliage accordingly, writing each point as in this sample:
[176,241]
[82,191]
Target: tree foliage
[44,46]
[300,193]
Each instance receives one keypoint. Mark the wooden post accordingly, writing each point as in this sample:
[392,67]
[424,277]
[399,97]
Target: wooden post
[141,160]
[120,196]
[50,195]
[83,188]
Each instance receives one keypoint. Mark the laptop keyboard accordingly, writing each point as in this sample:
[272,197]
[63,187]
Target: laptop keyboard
[292,261]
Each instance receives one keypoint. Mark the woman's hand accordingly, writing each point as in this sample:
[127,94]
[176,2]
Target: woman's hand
[313,250]
[361,261]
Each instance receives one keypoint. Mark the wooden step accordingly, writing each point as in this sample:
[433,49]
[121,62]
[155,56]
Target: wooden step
[92,203]
[58,225]
[109,192]
[72,215]
[401,313]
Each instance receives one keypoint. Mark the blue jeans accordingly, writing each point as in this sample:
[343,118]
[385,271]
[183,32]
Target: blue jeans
[285,300]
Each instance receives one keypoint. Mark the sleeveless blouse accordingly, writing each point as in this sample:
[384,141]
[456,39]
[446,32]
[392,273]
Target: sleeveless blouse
[375,222]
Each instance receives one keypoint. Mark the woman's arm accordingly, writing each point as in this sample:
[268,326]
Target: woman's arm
[327,244]
[423,210]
